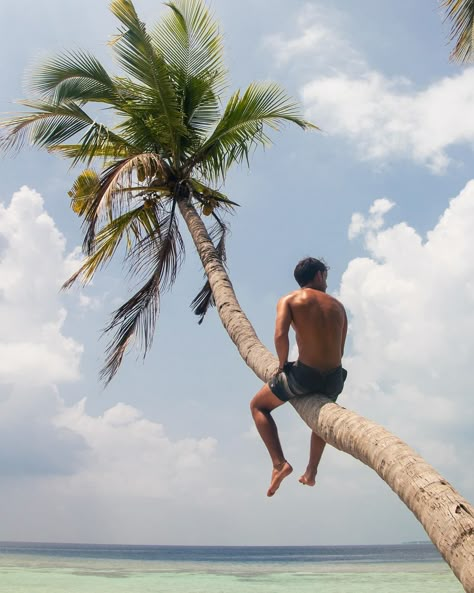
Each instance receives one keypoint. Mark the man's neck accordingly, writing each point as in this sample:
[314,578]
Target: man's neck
[314,288]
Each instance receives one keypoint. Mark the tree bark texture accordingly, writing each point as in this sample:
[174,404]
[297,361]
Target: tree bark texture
[446,516]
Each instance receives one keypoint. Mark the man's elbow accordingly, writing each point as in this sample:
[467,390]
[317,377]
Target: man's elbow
[280,335]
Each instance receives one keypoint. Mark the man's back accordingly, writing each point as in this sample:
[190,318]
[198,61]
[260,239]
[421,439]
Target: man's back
[320,325]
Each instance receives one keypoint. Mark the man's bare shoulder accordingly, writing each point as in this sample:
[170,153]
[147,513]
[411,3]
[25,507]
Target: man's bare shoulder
[308,296]
[289,298]
[305,295]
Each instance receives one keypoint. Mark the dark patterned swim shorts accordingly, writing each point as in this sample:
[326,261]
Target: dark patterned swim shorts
[299,379]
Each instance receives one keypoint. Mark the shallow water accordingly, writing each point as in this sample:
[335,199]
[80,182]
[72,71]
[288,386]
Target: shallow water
[46,568]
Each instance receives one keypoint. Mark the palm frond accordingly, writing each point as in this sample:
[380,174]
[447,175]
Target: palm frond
[136,319]
[139,225]
[139,58]
[142,122]
[106,244]
[461,14]
[84,190]
[75,75]
[206,195]
[48,125]
[201,105]
[97,138]
[243,126]
[189,39]
[115,177]
[141,259]
[205,299]
[107,150]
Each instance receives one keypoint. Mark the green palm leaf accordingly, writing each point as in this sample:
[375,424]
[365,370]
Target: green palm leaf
[108,150]
[138,57]
[461,13]
[48,125]
[205,194]
[135,224]
[243,126]
[83,190]
[189,39]
[76,76]
[191,44]
[98,139]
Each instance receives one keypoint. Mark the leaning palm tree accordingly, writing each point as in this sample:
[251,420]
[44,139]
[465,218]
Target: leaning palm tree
[165,156]
[461,14]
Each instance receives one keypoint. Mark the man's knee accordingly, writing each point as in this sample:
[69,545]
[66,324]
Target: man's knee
[264,401]
[257,406]
[254,405]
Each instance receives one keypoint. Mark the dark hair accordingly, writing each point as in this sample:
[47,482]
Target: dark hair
[307,268]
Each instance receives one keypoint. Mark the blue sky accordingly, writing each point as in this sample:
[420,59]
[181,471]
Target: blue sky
[167,454]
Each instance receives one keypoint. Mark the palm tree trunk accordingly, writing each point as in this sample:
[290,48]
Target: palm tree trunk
[447,517]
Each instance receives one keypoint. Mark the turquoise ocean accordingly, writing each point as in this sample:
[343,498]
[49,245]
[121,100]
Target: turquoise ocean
[78,568]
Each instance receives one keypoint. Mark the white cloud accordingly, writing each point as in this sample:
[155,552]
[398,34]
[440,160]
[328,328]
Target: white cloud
[33,265]
[88,303]
[317,44]
[412,330]
[35,354]
[385,117]
[124,444]
[374,221]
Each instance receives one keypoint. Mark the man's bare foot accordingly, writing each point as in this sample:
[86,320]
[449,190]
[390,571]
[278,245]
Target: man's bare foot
[308,478]
[279,473]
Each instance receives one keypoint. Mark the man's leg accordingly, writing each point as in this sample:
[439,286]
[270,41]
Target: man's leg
[315,451]
[261,407]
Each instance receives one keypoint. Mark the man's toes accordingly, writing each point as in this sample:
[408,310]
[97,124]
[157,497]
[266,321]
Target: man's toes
[307,481]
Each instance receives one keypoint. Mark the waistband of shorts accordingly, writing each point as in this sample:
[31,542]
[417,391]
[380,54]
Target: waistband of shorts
[306,367]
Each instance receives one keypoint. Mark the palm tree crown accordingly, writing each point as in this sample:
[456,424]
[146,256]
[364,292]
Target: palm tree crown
[171,141]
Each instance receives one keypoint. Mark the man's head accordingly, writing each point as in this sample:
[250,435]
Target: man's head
[311,273]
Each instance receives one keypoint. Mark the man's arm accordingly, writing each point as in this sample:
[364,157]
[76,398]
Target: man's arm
[282,327]
[344,333]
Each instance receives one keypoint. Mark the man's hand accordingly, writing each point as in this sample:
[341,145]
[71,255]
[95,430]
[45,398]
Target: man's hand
[285,368]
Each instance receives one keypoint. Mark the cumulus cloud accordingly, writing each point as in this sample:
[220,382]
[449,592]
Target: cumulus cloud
[33,265]
[133,456]
[374,221]
[385,117]
[35,353]
[316,44]
[412,329]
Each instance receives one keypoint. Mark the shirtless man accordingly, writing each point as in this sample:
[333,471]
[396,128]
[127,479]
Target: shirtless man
[320,325]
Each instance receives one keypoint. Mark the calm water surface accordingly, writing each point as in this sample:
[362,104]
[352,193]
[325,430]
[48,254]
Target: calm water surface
[74,568]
